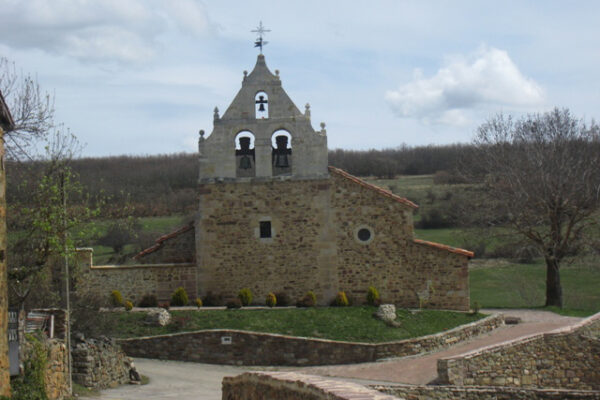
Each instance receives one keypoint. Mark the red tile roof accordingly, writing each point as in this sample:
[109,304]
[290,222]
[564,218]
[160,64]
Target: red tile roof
[375,188]
[451,249]
[160,241]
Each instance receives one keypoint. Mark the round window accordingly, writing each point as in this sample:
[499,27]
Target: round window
[364,234]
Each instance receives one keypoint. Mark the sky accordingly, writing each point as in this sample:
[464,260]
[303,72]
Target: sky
[142,77]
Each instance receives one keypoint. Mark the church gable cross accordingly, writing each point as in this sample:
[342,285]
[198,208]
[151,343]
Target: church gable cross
[259,41]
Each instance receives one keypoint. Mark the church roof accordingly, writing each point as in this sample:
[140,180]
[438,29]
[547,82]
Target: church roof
[375,188]
[440,246]
[6,120]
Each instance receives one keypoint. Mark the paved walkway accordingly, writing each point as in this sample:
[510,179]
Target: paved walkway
[423,369]
[183,380]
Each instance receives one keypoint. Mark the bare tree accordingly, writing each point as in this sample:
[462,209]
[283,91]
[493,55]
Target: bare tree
[543,172]
[31,108]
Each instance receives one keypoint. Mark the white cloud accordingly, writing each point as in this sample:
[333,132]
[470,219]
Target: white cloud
[91,30]
[488,78]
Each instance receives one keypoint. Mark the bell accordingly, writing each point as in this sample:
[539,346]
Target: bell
[281,161]
[245,163]
[261,107]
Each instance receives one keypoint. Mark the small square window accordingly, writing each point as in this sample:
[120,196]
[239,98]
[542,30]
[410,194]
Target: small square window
[265,229]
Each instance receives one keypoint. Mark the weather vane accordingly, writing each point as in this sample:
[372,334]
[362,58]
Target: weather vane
[259,41]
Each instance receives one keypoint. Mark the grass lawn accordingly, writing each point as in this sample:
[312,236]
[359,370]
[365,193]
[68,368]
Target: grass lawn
[500,284]
[343,323]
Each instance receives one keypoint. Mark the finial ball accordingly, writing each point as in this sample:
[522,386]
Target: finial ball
[322,125]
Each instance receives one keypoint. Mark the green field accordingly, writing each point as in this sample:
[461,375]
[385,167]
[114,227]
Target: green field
[336,323]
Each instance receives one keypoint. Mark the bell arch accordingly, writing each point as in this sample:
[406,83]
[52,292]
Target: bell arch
[245,160]
[261,105]
[281,154]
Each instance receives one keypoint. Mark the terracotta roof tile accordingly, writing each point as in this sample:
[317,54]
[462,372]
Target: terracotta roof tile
[375,188]
[451,249]
[160,241]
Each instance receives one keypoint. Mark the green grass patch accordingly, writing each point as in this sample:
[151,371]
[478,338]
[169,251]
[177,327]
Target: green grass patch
[500,284]
[345,323]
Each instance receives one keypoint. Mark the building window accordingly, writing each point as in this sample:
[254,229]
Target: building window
[364,234]
[265,229]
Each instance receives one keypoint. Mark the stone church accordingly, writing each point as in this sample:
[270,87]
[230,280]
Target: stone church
[273,217]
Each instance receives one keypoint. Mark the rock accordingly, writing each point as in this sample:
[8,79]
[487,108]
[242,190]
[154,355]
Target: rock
[158,317]
[386,312]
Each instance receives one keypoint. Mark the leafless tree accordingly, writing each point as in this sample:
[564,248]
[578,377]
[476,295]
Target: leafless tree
[543,171]
[31,108]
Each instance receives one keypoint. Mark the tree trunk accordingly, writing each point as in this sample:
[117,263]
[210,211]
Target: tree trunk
[553,288]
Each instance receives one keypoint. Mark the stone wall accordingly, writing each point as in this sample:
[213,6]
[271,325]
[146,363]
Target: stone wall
[293,386]
[415,392]
[56,374]
[249,348]
[134,281]
[314,245]
[99,363]
[567,358]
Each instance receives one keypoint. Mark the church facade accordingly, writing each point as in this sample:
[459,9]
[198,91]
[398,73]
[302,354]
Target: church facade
[274,217]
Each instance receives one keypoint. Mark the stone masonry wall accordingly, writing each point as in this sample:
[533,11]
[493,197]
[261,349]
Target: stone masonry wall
[56,374]
[299,257]
[415,392]
[293,386]
[314,244]
[134,281]
[250,348]
[569,358]
[99,363]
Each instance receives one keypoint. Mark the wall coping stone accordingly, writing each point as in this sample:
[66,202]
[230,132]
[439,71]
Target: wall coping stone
[125,266]
[328,388]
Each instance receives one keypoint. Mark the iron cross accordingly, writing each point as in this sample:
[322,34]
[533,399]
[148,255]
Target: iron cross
[259,41]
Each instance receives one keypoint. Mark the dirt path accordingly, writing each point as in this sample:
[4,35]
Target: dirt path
[423,369]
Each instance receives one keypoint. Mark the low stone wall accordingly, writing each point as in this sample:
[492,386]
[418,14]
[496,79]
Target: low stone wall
[250,348]
[134,281]
[567,358]
[292,386]
[414,392]
[99,363]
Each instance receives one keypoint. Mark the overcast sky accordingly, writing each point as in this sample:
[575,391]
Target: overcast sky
[143,76]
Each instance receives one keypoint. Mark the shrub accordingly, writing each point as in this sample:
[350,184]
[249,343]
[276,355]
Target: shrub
[245,296]
[149,300]
[476,308]
[372,296]
[116,298]
[32,385]
[271,300]
[341,300]
[179,297]
[164,305]
[128,305]
[213,300]
[283,300]
[234,303]
[198,302]
[309,300]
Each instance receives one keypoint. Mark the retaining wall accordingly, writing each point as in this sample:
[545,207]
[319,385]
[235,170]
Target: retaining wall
[99,363]
[565,358]
[251,348]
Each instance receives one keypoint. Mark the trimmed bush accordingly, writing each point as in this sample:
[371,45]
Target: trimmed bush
[271,300]
[234,303]
[116,298]
[213,300]
[149,300]
[372,296]
[309,300]
[341,300]
[128,305]
[198,302]
[179,297]
[245,296]
[283,300]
